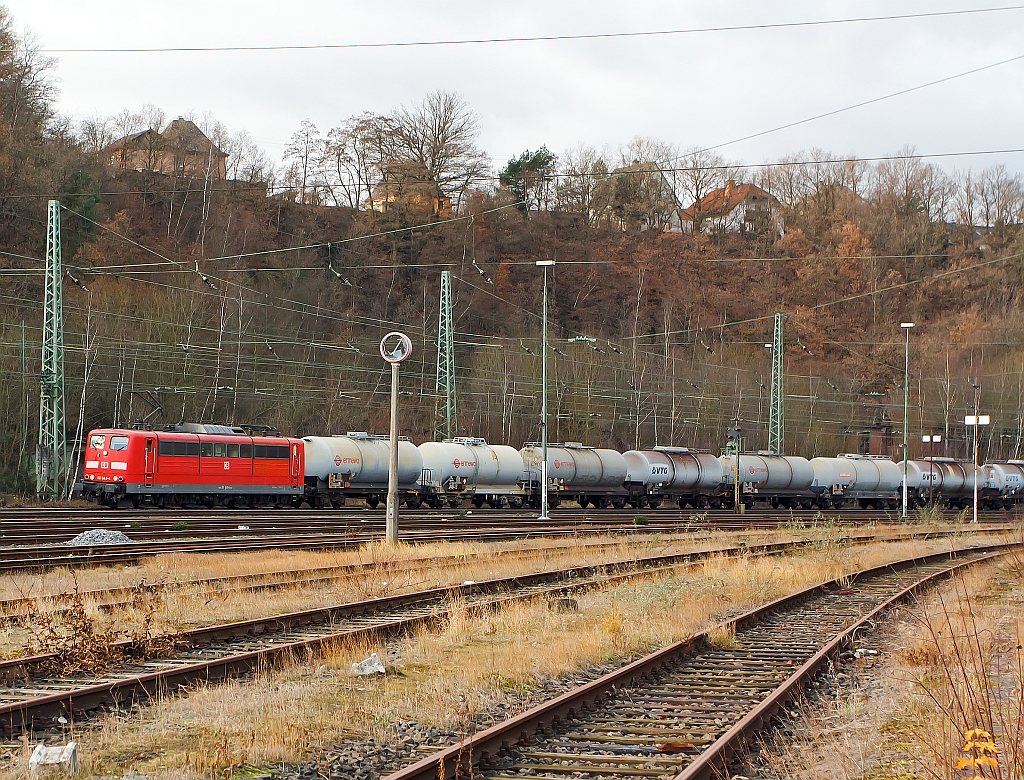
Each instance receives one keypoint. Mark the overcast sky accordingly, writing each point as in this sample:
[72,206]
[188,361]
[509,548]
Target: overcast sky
[703,88]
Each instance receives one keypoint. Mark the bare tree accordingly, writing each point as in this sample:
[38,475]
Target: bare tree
[579,191]
[303,155]
[440,135]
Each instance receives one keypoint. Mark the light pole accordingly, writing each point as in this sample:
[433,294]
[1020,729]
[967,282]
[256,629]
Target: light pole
[975,420]
[931,440]
[394,348]
[906,410]
[545,264]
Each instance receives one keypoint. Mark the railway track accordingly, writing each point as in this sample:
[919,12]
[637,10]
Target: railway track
[34,693]
[235,536]
[114,597]
[685,710]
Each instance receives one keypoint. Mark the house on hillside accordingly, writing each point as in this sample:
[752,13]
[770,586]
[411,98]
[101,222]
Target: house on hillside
[182,150]
[734,208]
[409,188]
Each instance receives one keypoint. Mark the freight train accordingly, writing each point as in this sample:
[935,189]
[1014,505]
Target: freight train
[193,464]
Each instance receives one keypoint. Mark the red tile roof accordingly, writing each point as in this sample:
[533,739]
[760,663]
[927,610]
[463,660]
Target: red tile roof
[720,202]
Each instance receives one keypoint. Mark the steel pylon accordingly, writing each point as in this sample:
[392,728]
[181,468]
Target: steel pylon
[445,406]
[51,453]
[777,411]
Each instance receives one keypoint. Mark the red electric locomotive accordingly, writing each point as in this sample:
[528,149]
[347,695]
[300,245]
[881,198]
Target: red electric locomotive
[192,464]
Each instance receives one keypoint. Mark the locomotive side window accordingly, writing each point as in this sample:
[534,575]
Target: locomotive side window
[271,451]
[207,449]
[233,451]
[179,448]
[119,443]
[96,441]
[245,451]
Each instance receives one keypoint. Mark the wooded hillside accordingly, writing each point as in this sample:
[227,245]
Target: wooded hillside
[261,297]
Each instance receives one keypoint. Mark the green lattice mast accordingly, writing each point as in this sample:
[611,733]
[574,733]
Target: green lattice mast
[445,404]
[51,453]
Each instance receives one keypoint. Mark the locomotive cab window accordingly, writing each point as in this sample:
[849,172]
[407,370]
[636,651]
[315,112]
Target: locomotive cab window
[207,449]
[118,443]
[96,441]
[219,449]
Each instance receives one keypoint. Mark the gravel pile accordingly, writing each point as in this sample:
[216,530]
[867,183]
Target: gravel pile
[98,536]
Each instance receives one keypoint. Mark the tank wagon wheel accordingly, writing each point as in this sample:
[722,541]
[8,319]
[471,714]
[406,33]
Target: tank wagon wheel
[493,502]
[338,503]
[455,502]
[515,502]
[413,502]
[478,501]
[535,501]
[583,501]
[373,502]
[554,501]
[619,502]
[654,503]
[716,503]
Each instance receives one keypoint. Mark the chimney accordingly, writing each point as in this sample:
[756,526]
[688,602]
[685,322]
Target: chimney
[729,187]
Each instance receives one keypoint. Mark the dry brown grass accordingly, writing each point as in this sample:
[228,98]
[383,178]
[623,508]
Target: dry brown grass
[388,569]
[474,664]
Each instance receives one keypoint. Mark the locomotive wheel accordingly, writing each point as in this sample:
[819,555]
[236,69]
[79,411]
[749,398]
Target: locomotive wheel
[373,502]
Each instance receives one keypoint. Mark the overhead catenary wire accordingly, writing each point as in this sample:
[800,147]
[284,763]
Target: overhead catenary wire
[534,38]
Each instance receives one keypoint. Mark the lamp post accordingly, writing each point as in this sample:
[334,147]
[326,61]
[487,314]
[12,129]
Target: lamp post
[545,264]
[394,348]
[906,410]
[974,420]
[931,440]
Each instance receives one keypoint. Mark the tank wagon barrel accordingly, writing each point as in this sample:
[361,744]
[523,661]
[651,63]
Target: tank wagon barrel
[676,473]
[356,466]
[470,468]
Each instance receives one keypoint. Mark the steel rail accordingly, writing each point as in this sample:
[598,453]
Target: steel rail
[636,751]
[401,613]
